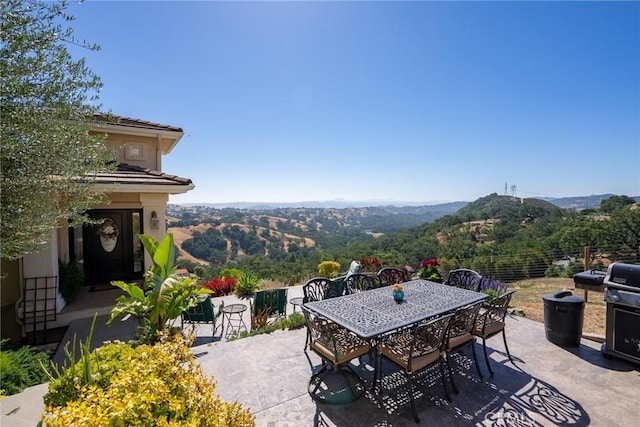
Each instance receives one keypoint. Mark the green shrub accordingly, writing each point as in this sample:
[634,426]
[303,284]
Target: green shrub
[231,272]
[21,368]
[247,284]
[158,384]
[71,280]
[294,321]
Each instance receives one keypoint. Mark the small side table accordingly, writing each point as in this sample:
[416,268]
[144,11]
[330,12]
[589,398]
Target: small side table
[233,314]
[296,302]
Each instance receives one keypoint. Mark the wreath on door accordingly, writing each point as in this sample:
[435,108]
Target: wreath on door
[108,231]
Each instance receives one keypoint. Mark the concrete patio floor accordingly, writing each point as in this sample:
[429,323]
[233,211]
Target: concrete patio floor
[549,385]
[269,374]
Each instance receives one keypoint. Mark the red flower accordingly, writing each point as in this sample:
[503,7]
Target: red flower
[431,262]
[429,269]
[221,286]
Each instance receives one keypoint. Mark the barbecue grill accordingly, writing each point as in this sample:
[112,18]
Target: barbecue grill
[622,295]
[592,280]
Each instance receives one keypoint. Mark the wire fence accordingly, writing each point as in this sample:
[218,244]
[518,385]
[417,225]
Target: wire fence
[538,263]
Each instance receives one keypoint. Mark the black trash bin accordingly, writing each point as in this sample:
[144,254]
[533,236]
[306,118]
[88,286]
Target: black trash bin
[563,317]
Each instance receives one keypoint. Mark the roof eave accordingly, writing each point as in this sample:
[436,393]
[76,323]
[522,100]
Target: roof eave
[143,188]
[132,130]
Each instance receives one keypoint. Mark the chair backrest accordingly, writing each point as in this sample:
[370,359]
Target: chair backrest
[323,338]
[320,329]
[428,339]
[358,282]
[464,278]
[488,283]
[201,312]
[494,312]
[320,288]
[273,301]
[499,306]
[462,323]
[390,276]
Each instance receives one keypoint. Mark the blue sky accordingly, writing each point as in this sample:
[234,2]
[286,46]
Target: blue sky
[379,101]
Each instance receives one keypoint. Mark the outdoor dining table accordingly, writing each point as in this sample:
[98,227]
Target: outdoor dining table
[374,313]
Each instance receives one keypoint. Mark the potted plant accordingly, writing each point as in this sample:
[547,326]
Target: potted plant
[430,270]
[398,292]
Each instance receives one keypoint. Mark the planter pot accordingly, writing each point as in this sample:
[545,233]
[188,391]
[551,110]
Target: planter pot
[398,296]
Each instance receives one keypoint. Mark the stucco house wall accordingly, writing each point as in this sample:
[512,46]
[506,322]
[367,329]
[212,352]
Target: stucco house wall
[138,185]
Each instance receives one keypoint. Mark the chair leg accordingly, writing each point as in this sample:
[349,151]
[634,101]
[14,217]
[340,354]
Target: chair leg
[506,347]
[377,373]
[374,359]
[486,356]
[453,383]
[444,384]
[413,404]
[475,357]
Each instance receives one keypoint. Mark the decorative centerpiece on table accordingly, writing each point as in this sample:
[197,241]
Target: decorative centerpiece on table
[430,270]
[398,292]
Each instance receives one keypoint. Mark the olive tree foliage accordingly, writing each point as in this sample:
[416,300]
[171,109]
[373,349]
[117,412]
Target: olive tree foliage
[48,160]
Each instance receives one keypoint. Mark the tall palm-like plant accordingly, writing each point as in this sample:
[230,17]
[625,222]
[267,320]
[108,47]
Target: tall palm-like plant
[162,297]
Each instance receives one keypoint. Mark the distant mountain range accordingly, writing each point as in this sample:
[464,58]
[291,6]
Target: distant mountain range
[573,203]
[335,204]
[582,202]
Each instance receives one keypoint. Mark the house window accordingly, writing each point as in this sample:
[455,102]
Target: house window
[134,152]
[138,253]
[76,246]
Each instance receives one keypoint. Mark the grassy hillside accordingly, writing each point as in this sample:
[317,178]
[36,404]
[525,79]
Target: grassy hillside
[510,238]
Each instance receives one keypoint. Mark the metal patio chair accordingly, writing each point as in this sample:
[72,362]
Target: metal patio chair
[461,335]
[359,282]
[390,276]
[491,321]
[202,312]
[268,303]
[320,288]
[337,347]
[463,278]
[416,350]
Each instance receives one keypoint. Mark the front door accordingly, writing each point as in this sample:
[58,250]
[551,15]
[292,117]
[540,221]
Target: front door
[112,250]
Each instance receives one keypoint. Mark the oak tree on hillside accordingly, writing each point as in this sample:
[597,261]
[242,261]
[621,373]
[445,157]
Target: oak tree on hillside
[47,158]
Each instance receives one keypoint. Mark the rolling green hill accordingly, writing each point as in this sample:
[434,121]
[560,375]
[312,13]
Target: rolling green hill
[511,238]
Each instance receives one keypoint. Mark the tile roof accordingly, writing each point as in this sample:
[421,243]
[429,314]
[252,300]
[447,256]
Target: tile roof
[131,174]
[131,122]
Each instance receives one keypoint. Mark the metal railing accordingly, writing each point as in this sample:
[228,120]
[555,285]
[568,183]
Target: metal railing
[37,307]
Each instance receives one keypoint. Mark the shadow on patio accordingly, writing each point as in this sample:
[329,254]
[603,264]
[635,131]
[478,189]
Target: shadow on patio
[269,374]
[549,385]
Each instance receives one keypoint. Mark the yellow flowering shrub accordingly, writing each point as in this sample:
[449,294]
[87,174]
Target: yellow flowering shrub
[96,369]
[161,385]
[328,268]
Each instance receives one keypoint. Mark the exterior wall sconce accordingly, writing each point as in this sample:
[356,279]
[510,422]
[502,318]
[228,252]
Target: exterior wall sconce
[155,222]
